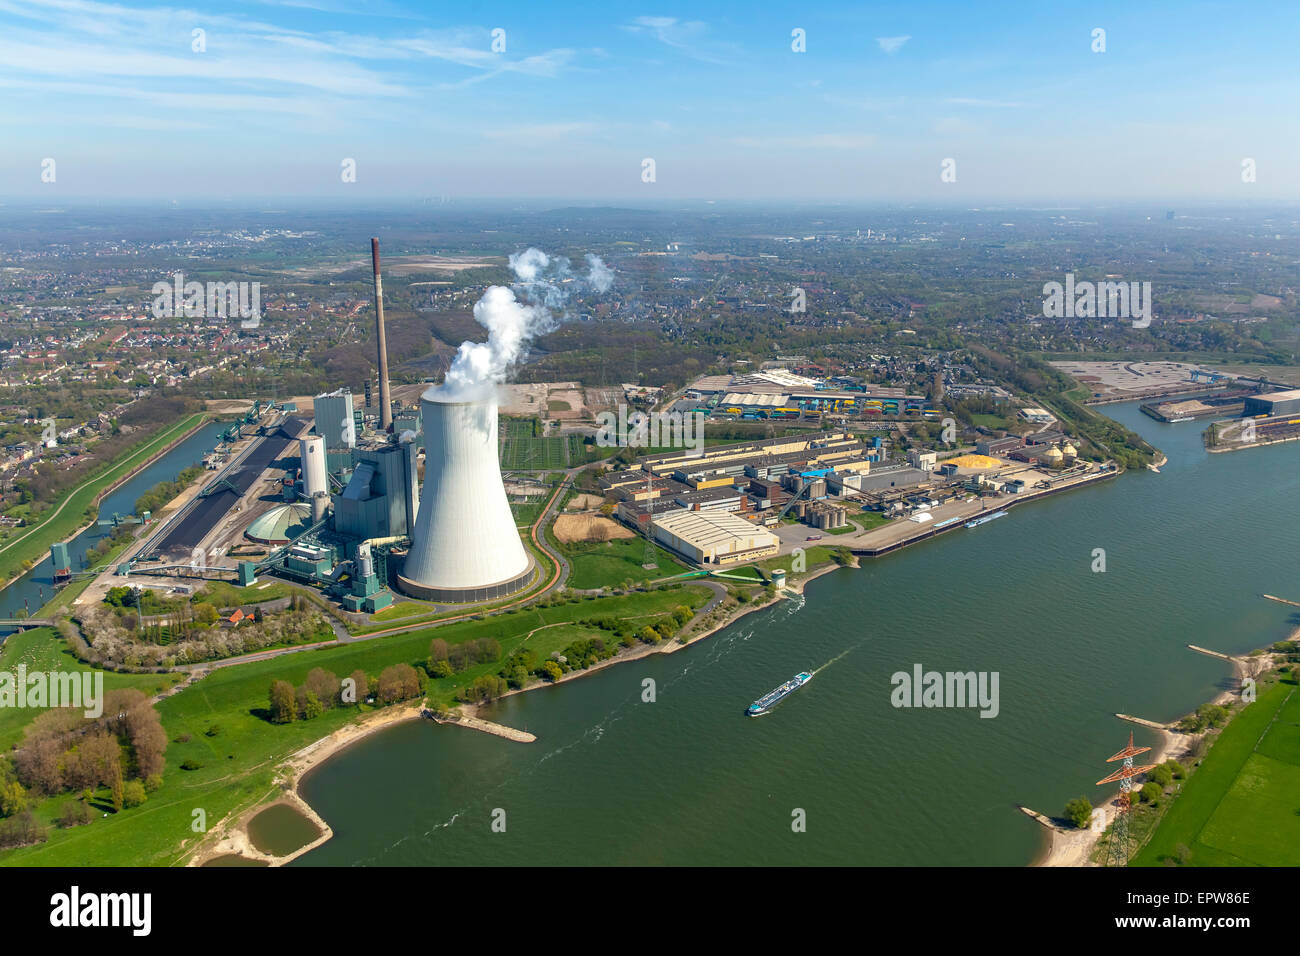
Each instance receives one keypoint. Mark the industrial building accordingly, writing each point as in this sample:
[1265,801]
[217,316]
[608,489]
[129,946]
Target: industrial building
[998,447]
[892,476]
[713,537]
[280,525]
[778,394]
[465,546]
[1274,403]
[336,419]
[381,499]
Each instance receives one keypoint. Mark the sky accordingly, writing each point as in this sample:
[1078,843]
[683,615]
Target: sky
[556,100]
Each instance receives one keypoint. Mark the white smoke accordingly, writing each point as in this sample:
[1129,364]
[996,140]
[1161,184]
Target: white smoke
[514,320]
[600,277]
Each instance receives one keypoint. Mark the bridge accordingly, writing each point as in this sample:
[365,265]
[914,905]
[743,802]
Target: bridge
[25,622]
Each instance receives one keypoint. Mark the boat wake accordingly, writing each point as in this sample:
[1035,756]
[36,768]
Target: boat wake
[833,660]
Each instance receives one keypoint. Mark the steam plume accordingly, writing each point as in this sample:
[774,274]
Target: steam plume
[515,316]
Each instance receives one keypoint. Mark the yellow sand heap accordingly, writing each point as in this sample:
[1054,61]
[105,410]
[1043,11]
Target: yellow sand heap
[973,461]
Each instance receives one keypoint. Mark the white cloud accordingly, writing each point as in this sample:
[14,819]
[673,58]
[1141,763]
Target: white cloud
[688,36]
[892,45]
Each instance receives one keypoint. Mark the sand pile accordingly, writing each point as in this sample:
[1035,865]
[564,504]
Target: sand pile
[973,461]
[570,528]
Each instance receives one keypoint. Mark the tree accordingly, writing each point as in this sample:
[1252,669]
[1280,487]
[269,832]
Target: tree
[324,684]
[133,794]
[648,635]
[361,684]
[1079,812]
[205,613]
[551,671]
[13,798]
[75,814]
[1151,792]
[437,652]
[1162,775]
[309,705]
[284,706]
[398,682]
[458,656]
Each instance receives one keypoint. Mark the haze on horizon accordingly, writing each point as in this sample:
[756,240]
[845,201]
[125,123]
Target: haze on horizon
[282,94]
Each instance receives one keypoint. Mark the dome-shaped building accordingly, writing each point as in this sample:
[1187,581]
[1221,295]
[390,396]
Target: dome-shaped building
[1069,451]
[280,525]
[1054,457]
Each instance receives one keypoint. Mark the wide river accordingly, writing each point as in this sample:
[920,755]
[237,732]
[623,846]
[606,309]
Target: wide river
[688,779]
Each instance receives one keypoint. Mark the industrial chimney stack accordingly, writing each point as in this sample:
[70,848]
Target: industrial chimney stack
[385,402]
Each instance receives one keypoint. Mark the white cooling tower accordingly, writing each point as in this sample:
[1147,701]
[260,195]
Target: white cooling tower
[311,452]
[465,547]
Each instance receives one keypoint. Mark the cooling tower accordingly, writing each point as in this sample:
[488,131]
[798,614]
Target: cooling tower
[311,452]
[465,547]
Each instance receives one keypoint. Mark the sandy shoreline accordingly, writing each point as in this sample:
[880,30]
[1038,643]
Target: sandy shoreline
[230,835]
[1067,846]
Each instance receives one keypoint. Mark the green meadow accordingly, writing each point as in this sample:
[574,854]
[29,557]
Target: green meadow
[1240,807]
[218,726]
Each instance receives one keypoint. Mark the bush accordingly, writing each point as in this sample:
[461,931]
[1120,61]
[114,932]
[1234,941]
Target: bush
[1162,775]
[550,671]
[133,794]
[75,814]
[1151,792]
[1079,812]
[21,830]
[191,765]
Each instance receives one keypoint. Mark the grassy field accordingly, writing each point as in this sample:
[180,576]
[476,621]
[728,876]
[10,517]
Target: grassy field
[870,519]
[989,420]
[528,513]
[1239,807]
[31,544]
[401,609]
[601,564]
[41,649]
[237,749]
[522,451]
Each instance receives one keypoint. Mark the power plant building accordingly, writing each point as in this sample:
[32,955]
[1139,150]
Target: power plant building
[311,454]
[380,500]
[334,419]
[465,546]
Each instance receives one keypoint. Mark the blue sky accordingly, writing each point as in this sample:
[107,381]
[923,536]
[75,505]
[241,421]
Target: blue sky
[584,92]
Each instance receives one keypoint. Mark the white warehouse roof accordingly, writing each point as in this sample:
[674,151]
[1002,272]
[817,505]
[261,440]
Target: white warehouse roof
[709,529]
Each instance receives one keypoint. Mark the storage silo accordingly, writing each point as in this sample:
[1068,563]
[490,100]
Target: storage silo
[311,453]
[465,546]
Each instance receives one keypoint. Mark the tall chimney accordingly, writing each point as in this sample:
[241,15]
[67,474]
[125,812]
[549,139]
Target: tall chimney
[385,402]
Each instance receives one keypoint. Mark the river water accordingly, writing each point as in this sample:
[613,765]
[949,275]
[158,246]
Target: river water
[36,587]
[688,779]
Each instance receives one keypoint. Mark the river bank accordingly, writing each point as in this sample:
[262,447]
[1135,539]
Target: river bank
[1068,846]
[11,575]
[231,838]
[230,835]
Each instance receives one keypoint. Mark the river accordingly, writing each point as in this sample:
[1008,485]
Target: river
[688,779]
[36,587]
